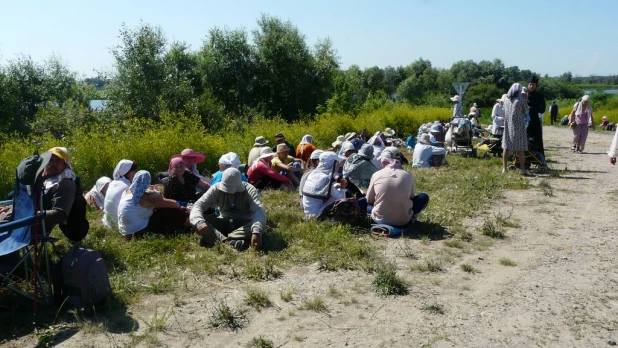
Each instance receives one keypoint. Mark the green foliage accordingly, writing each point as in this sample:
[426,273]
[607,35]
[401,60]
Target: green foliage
[387,282]
[225,317]
[260,342]
[257,299]
[483,95]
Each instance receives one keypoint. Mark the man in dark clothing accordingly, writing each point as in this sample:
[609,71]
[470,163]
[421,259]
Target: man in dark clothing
[536,101]
[553,112]
[280,139]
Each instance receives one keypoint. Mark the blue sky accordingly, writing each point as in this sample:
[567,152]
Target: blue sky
[549,37]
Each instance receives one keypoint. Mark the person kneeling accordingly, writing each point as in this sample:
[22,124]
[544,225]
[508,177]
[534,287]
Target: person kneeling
[242,218]
[392,193]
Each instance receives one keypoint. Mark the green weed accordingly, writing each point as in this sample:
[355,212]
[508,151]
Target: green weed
[287,296]
[387,282]
[491,229]
[434,308]
[507,262]
[468,268]
[428,266]
[257,299]
[260,342]
[224,316]
[546,188]
[315,304]
[454,243]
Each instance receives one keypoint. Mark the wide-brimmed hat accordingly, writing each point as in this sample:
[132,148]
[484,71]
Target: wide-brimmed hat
[282,148]
[366,151]
[339,141]
[279,136]
[347,146]
[231,181]
[390,152]
[266,152]
[456,98]
[427,139]
[260,141]
[436,128]
[389,132]
[350,136]
[198,156]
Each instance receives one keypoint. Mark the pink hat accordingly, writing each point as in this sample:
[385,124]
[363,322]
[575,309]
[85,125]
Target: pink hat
[199,157]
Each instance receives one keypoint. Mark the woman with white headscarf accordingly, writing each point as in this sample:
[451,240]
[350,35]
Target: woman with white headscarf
[96,196]
[322,187]
[515,138]
[123,176]
[137,213]
[377,141]
[497,116]
[305,148]
[580,120]
[229,160]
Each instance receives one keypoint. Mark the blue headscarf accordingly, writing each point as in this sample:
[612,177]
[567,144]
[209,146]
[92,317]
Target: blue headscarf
[140,184]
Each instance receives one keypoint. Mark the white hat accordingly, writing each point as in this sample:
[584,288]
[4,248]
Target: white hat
[456,98]
[260,141]
[389,132]
[230,159]
[231,182]
[316,154]
[347,146]
[350,136]
[390,152]
[339,141]
[586,97]
[266,152]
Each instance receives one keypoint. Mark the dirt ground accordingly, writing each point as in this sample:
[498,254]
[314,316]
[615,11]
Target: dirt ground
[563,290]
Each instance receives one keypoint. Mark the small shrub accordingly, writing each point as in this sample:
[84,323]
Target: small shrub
[546,188]
[469,268]
[507,262]
[333,291]
[287,296]
[454,243]
[260,342]
[315,304]
[223,316]
[434,308]
[387,282]
[257,299]
[429,266]
[491,229]
[157,322]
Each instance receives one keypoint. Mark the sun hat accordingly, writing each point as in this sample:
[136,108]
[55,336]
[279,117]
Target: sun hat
[357,143]
[339,141]
[329,156]
[366,151]
[266,152]
[61,152]
[390,152]
[605,117]
[584,98]
[456,98]
[389,132]
[231,182]
[436,128]
[427,139]
[260,141]
[315,155]
[347,146]
[282,148]
[279,136]
[350,136]
[198,156]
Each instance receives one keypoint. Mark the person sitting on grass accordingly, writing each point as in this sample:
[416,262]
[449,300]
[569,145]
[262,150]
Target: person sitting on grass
[287,165]
[229,160]
[139,213]
[359,168]
[258,144]
[242,218]
[280,139]
[181,185]
[96,196]
[428,153]
[336,146]
[392,195]
[305,148]
[322,186]
[262,176]
[192,159]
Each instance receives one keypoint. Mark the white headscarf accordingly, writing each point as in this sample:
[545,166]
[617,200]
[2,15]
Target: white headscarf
[515,89]
[96,193]
[319,180]
[307,139]
[122,168]
[580,108]
[230,159]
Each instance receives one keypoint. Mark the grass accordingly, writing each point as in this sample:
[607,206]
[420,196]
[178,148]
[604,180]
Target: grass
[225,317]
[287,296]
[492,229]
[387,282]
[507,262]
[430,266]
[434,308]
[315,304]
[260,342]
[158,320]
[258,299]
[546,188]
[469,268]
[454,243]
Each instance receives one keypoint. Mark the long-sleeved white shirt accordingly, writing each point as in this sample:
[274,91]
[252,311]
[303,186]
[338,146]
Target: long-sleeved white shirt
[613,150]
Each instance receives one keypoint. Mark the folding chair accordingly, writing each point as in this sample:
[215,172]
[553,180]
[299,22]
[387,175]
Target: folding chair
[26,233]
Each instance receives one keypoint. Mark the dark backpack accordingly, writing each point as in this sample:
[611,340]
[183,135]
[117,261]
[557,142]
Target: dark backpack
[86,282]
[346,211]
[76,227]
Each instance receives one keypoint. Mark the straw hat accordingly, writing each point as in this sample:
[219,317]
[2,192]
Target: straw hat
[266,152]
[282,148]
[389,132]
[339,141]
[260,141]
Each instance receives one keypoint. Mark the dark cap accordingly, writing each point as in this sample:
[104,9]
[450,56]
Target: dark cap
[533,79]
[279,136]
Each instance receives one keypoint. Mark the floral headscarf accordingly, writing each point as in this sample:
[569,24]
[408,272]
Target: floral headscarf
[140,184]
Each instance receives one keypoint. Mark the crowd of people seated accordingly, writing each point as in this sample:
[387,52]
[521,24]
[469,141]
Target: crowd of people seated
[365,170]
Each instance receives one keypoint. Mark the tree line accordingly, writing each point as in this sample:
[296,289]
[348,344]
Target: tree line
[236,77]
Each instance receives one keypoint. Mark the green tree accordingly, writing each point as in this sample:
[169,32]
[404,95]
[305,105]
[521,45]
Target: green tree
[410,90]
[484,95]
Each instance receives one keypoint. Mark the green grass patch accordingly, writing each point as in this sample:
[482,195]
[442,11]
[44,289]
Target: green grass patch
[315,304]
[387,282]
[257,299]
[492,229]
[260,342]
[430,266]
[434,308]
[507,262]
[225,317]
[468,268]
[546,188]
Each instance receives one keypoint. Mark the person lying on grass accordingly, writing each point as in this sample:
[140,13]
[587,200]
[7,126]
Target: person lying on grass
[392,193]
[262,176]
[242,218]
[137,213]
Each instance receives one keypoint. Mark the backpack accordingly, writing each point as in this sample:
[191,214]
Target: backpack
[346,211]
[76,227]
[86,282]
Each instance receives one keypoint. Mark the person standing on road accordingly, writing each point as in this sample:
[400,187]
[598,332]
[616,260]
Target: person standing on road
[553,112]
[456,106]
[514,139]
[536,102]
[580,119]
[613,149]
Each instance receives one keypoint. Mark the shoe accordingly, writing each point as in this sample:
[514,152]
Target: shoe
[203,243]
[238,244]
[573,148]
[525,173]
[504,170]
